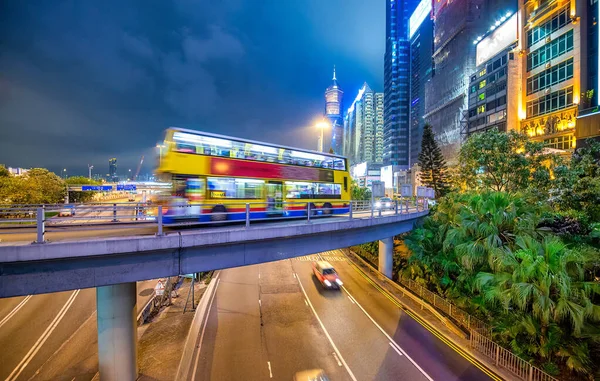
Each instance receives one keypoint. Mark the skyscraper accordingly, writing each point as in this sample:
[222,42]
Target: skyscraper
[112,169]
[397,83]
[457,24]
[363,128]
[334,97]
[421,68]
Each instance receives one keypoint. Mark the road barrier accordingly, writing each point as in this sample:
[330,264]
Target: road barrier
[46,218]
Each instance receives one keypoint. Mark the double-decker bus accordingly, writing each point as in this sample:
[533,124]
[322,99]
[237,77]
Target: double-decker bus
[214,177]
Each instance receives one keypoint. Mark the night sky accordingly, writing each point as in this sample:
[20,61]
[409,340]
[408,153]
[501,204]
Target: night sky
[83,81]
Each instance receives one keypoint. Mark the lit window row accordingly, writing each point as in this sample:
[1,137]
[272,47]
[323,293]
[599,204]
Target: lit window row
[555,101]
[544,30]
[561,142]
[550,77]
[556,48]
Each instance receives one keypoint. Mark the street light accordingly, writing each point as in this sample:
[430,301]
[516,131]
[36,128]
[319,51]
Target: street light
[160,147]
[65,173]
[90,167]
[321,126]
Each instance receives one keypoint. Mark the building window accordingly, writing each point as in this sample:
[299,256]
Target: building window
[481,96]
[555,101]
[561,142]
[556,48]
[481,109]
[482,73]
[540,32]
[482,84]
[550,77]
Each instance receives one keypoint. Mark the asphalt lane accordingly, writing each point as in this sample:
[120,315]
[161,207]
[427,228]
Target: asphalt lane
[435,358]
[260,328]
[41,340]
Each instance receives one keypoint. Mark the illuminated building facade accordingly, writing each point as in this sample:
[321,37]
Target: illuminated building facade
[397,83]
[112,169]
[552,83]
[420,32]
[334,97]
[456,24]
[494,89]
[363,128]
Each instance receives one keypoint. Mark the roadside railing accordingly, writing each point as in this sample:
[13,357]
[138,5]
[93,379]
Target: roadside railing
[93,216]
[480,334]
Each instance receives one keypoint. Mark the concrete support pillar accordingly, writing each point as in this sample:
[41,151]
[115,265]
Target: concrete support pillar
[386,256]
[117,332]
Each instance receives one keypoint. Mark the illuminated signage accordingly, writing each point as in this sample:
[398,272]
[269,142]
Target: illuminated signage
[387,176]
[423,10]
[359,170]
[504,35]
[217,194]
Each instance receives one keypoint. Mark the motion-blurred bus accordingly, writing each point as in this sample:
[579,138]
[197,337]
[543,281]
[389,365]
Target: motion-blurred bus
[214,177]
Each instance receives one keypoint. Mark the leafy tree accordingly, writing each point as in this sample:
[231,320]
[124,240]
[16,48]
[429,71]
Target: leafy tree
[76,196]
[505,162]
[359,193]
[578,184]
[3,171]
[37,186]
[433,170]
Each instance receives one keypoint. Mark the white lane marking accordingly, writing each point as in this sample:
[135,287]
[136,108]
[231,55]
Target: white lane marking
[306,302]
[212,298]
[294,275]
[389,338]
[270,372]
[259,303]
[326,333]
[38,344]
[258,275]
[337,359]
[396,349]
[351,299]
[15,310]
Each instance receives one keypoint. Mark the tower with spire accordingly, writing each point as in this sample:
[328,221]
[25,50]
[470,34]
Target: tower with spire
[333,111]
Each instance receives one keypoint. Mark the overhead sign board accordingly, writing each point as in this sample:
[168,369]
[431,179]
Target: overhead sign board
[97,188]
[504,35]
[126,187]
[387,176]
[359,170]
[421,12]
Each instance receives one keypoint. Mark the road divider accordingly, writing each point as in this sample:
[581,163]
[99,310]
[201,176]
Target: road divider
[193,342]
[15,310]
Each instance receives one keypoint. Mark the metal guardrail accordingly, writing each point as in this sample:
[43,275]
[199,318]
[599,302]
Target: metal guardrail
[141,215]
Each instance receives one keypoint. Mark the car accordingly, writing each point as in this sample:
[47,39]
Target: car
[385,203]
[311,375]
[326,274]
[66,212]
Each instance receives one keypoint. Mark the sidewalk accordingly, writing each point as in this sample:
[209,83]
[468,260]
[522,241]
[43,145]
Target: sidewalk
[161,341]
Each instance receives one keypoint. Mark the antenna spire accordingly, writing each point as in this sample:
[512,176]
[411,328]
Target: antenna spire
[334,73]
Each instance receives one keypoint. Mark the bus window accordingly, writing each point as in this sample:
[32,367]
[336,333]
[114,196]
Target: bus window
[195,189]
[299,190]
[224,188]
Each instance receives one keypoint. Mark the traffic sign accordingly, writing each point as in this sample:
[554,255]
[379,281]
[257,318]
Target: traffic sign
[98,188]
[126,187]
[159,289]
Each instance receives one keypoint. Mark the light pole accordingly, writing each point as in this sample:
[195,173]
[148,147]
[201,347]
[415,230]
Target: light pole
[129,176]
[160,147]
[90,167]
[65,173]
[321,126]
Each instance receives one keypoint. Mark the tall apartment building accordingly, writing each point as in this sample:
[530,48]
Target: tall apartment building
[552,82]
[457,23]
[112,169]
[397,83]
[420,32]
[363,128]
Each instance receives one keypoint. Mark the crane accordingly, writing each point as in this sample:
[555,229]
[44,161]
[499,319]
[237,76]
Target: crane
[137,171]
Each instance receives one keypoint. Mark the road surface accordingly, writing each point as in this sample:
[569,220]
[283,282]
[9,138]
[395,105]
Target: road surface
[53,336]
[273,320]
